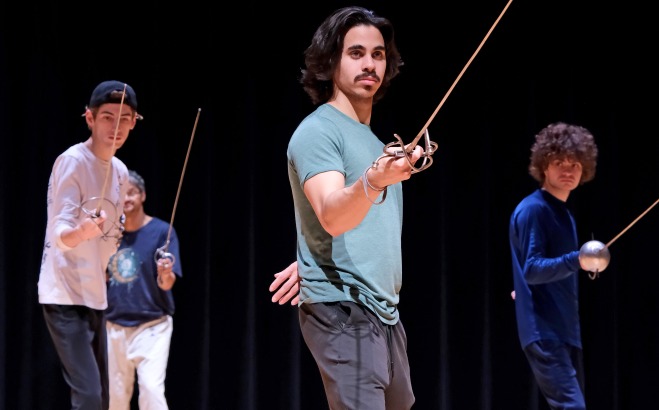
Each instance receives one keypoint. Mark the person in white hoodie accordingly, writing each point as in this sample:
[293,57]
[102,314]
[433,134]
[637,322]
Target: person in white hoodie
[85,196]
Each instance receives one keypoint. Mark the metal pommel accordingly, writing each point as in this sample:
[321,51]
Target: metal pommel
[161,253]
[594,256]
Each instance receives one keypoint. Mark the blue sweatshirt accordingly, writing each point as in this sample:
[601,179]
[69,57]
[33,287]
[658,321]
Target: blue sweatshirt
[545,259]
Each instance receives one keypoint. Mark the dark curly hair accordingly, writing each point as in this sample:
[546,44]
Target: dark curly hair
[324,53]
[563,141]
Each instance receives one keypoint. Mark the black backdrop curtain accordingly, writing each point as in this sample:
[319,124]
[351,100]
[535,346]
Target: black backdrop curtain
[588,62]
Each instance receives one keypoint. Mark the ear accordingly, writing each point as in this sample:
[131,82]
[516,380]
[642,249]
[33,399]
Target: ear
[143,196]
[89,117]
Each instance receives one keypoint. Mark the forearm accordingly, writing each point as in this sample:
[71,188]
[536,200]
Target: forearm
[88,228]
[71,237]
[546,270]
[345,208]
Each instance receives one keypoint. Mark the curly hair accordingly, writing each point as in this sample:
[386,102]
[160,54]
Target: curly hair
[324,53]
[563,141]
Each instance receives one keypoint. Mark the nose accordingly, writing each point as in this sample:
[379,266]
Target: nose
[368,63]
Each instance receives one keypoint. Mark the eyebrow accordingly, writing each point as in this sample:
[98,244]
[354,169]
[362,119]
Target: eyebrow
[569,161]
[361,47]
[123,113]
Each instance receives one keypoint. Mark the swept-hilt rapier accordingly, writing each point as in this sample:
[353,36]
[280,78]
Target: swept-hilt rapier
[397,149]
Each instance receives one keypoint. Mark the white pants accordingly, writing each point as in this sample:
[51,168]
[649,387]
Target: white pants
[143,350]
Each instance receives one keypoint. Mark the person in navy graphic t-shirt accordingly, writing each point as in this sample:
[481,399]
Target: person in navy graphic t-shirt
[141,304]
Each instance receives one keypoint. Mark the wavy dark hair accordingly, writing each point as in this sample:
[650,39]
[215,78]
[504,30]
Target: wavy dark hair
[324,53]
[563,141]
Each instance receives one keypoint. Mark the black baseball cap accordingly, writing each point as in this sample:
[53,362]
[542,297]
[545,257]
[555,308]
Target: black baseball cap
[112,92]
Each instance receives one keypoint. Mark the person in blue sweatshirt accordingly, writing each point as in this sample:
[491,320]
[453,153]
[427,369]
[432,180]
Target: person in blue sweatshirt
[545,261]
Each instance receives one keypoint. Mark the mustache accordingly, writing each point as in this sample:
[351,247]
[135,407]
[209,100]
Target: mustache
[367,75]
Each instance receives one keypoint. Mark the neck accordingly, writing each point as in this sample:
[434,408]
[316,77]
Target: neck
[99,150]
[136,220]
[558,193]
[359,109]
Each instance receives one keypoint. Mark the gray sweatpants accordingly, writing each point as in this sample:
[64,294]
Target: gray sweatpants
[363,362]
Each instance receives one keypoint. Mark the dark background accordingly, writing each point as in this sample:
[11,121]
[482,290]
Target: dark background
[586,62]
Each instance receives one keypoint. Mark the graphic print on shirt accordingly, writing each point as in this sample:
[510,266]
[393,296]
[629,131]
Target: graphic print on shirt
[46,246]
[124,267]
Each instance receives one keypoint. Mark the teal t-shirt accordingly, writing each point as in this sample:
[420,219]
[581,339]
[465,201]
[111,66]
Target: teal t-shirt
[364,264]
